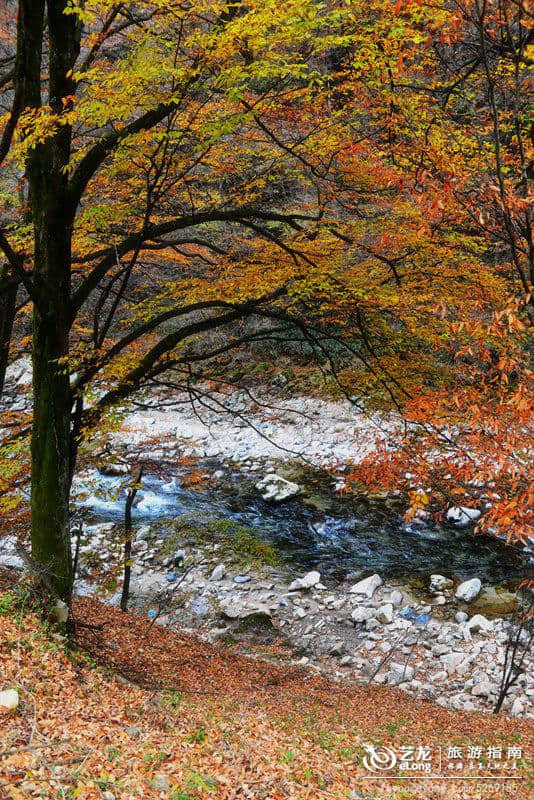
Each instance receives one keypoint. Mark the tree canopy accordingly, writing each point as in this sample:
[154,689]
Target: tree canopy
[182,179]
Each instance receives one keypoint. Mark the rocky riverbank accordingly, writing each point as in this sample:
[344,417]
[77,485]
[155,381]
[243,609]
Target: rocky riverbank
[437,639]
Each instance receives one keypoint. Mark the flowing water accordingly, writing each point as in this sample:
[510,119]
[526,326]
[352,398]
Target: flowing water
[348,536]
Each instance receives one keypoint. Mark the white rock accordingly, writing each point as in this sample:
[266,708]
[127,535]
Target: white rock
[399,673]
[306,582]
[362,614]
[368,586]
[371,624]
[480,623]
[218,573]
[482,689]
[517,707]
[461,616]
[385,614]
[438,583]
[61,612]
[11,561]
[274,487]
[468,590]
[396,598]
[9,699]
[462,516]
[452,661]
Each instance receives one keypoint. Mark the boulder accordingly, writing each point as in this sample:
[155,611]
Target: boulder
[462,516]
[517,708]
[9,699]
[469,590]
[368,586]
[275,488]
[495,602]
[307,581]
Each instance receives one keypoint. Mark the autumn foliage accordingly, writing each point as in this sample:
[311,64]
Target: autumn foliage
[183,180]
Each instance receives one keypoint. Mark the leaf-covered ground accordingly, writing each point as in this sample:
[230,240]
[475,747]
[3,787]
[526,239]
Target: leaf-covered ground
[163,715]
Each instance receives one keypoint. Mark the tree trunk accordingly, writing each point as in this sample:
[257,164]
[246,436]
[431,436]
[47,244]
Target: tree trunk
[53,216]
[130,497]
[50,485]
[8,301]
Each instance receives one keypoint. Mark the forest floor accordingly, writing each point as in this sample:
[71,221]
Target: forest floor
[140,711]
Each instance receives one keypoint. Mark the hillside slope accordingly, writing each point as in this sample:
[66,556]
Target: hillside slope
[166,716]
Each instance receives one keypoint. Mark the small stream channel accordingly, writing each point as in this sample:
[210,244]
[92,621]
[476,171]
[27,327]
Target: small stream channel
[338,536]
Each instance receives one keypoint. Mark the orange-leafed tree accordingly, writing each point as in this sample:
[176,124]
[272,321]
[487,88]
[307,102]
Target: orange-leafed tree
[469,441]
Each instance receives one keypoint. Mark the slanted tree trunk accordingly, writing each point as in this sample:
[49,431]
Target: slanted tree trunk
[8,300]
[53,216]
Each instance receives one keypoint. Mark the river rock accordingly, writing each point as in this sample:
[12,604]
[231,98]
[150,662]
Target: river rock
[462,516]
[385,614]
[218,573]
[368,586]
[361,614]
[468,590]
[452,661]
[200,606]
[396,598]
[307,581]
[399,673]
[259,625]
[274,487]
[495,602]
[438,583]
[479,623]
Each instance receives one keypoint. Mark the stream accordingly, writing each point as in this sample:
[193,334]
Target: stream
[341,536]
